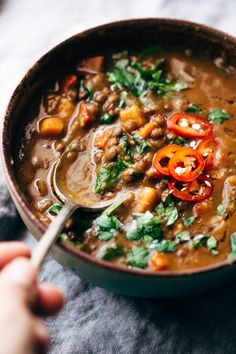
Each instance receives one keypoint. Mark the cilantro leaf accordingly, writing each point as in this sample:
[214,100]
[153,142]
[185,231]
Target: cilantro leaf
[55,209]
[182,236]
[144,147]
[110,251]
[206,241]
[107,119]
[218,116]
[171,214]
[88,90]
[148,228]
[179,141]
[193,108]
[189,220]
[212,245]
[166,246]
[138,257]
[168,211]
[106,222]
[107,235]
[108,176]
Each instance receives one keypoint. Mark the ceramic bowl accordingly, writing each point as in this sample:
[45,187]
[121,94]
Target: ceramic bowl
[124,34]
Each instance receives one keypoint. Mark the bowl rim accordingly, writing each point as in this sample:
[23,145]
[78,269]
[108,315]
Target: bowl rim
[13,184]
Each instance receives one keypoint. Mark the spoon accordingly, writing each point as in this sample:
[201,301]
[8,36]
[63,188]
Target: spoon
[70,205]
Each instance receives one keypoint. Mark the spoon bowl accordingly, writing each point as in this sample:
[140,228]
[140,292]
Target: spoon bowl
[70,205]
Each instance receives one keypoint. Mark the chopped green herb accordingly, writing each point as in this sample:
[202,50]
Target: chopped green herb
[199,240]
[203,240]
[221,210]
[107,235]
[168,211]
[218,116]
[144,147]
[107,119]
[55,209]
[147,225]
[89,92]
[138,257]
[143,80]
[171,214]
[189,220]
[179,141]
[182,236]
[193,108]
[106,222]
[108,176]
[110,251]
[212,245]
[166,246]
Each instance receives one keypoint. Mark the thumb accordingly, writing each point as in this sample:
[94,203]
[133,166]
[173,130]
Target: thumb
[20,278]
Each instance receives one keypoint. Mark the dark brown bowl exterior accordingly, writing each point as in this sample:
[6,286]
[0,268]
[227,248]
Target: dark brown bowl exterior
[124,34]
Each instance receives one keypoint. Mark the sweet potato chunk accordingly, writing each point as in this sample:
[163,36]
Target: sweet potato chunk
[132,117]
[51,127]
[92,65]
[147,199]
[159,261]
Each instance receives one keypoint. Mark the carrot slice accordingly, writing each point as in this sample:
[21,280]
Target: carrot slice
[146,130]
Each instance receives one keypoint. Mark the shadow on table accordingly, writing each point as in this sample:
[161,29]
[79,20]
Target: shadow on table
[1,4]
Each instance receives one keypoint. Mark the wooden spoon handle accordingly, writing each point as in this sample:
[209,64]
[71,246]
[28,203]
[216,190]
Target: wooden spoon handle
[50,236]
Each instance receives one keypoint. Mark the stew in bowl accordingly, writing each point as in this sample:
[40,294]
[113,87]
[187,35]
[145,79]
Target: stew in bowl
[157,128]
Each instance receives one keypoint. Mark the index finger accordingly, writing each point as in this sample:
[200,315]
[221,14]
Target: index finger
[11,250]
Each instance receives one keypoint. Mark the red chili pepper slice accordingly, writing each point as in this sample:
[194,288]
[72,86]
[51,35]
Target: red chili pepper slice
[69,82]
[186,165]
[211,151]
[195,191]
[189,125]
[162,157]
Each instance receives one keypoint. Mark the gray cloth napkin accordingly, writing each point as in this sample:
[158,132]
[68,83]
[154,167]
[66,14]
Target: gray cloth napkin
[97,321]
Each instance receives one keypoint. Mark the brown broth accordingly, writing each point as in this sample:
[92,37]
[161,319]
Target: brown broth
[209,87]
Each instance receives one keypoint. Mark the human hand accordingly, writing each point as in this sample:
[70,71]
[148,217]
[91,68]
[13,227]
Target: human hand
[23,301]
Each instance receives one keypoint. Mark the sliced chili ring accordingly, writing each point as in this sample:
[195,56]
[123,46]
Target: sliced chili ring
[211,151]
[186,165]
[195,191]
[189,125]
[162,157]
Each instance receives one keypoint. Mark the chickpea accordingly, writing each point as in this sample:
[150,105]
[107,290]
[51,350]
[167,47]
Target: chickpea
[157,133]
[59,146]
[111,153]
[127,176]
[71,155]
[100,97]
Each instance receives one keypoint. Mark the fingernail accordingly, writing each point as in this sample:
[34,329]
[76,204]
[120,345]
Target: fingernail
[20,272]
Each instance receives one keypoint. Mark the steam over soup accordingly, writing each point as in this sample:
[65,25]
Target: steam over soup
[158,126]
